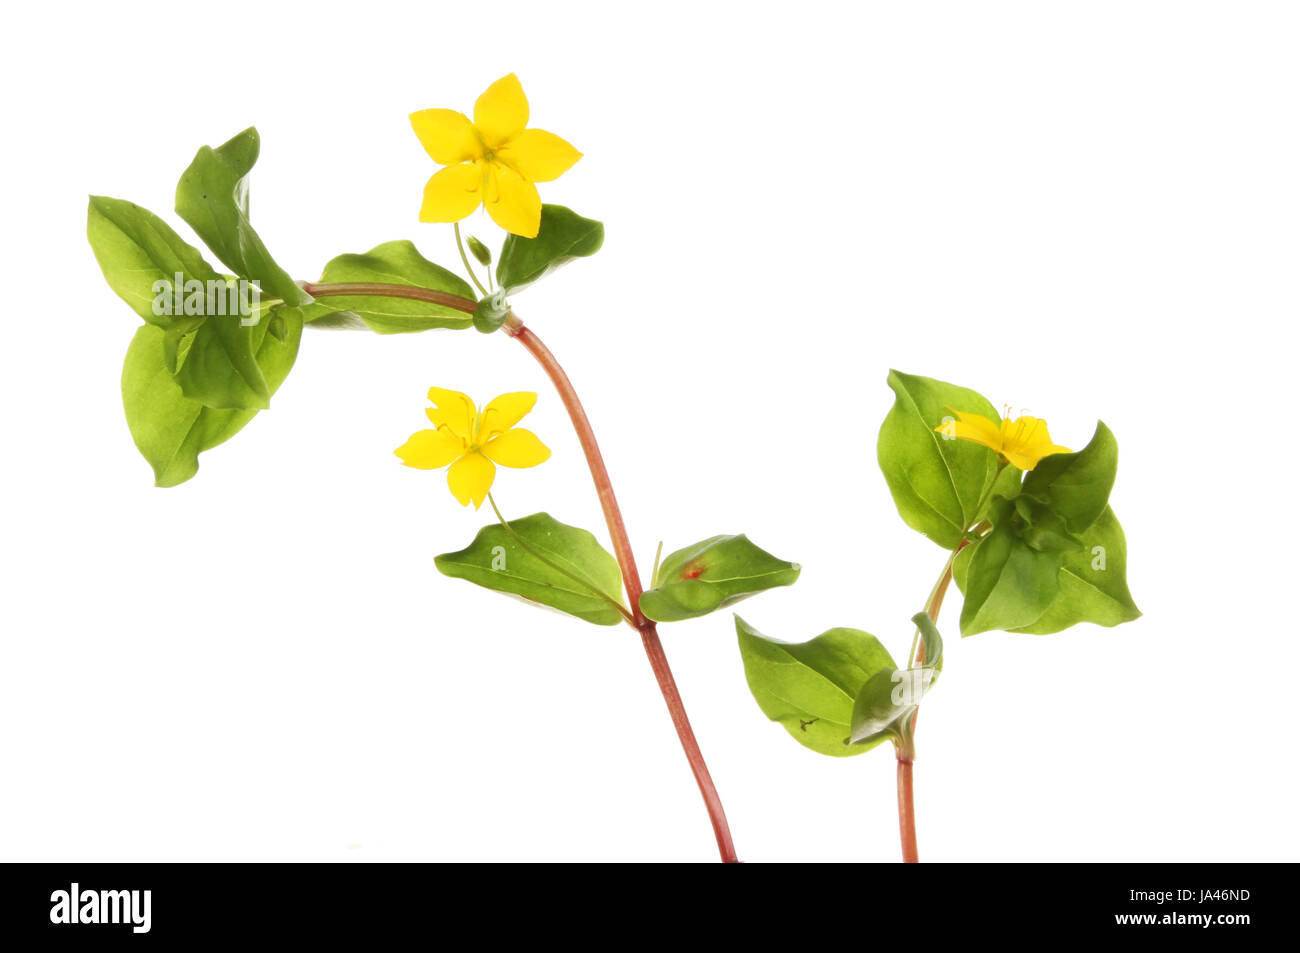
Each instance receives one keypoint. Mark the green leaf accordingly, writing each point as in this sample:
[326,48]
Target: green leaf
[1005,486]
[563,236]
[810,687]
[960,564]
[887,700]
[177,339]
[1093,585]
[1077,485]
[139,254]
[170,429]
[937,482]
[546,562]
[1008,583]
[709,575]
[393,263]
[213,198]
[216,362]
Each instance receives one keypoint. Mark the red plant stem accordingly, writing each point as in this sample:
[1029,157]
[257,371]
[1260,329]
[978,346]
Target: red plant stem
[906,752]
[632,581]
[906,812]
[392,291]
[613,517]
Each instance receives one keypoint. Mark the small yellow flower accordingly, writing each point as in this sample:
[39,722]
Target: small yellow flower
[1021,442]
[472,440]
[492,161]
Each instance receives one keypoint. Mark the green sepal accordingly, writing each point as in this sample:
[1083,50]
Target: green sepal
[479,251]
[563,236]
[544,562]
[170,429]
[398,263]
[712,574]
[937,482]
[886,702]
[810,687]
[212,197]
[1077,485]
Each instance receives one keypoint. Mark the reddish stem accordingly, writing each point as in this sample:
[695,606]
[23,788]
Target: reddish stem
[613,517]
[905,751]
[390,291]
[631,580]
[906,812]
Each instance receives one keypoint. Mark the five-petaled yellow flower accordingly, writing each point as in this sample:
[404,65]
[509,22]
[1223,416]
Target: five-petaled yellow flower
[471,440]
[492,161]
[1021,442]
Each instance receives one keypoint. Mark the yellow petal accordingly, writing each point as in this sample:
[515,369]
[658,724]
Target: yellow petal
[512,201]
[452,193]
[452,410]
[975,428]
[431,449]
[1020,459]
[470,478]
[538,156]
[448,136]
[517,448]
[504,412]
[501,112]
[1026,441]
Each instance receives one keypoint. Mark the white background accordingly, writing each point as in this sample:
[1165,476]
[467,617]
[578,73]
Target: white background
[1082,210]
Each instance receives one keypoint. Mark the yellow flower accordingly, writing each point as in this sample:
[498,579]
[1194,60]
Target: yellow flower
[471,440]
[492,161]
[1021,442]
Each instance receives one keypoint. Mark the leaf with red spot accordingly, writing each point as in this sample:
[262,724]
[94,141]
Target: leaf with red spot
[711,574]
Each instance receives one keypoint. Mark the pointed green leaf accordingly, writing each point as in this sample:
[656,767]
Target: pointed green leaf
[1092,582]
[563,236]
[216,364]
[170,429]
[1093,585]
[177,339]
[1008,583]
[141,255]
[392,263]
[212,198]
[546,562]
[1077,485]
[937,481]
[810,687]
[711,574]
[889,698]
[1042,528]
